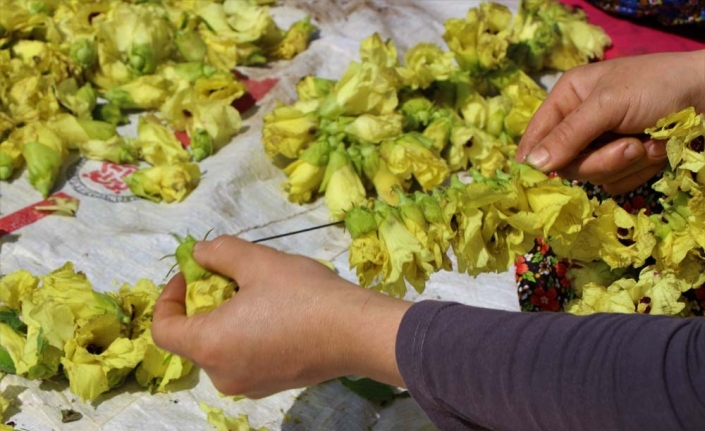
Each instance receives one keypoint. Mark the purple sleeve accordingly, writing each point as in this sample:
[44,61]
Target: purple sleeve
[471,368]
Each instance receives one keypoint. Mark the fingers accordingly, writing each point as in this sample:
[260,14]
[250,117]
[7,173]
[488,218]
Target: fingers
[562,100]
[633,181]
[612,161]
[567,140]
[616,160]
[169,325]
[234,257]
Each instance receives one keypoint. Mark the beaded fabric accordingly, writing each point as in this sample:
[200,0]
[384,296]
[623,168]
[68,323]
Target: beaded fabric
[665,12]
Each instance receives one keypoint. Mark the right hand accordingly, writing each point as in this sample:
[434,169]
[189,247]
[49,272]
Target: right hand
[622,96]
[293,323]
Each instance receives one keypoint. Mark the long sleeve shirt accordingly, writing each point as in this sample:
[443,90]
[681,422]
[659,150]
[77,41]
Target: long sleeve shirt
[471,368]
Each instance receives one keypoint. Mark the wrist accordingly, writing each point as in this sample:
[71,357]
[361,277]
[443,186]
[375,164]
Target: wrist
[368,336]
[696,97]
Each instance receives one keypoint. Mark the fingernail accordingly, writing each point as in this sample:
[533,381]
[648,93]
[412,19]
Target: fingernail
[632,152]
[656,150]
[538,158]
[199,246]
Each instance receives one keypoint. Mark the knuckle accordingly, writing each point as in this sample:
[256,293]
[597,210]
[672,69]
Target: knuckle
[563,135]
[219,242]
[207,355]
[568,77]
[606,97]
[228,386]
[603,168]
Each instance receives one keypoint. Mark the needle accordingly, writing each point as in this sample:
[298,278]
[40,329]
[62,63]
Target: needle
[297,231]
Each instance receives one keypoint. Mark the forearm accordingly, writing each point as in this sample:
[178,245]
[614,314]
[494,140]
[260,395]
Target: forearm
[696,62]
[367,339]
[470,367]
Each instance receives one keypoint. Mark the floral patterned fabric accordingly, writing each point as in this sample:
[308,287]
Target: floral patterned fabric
[667,12]
[541,277]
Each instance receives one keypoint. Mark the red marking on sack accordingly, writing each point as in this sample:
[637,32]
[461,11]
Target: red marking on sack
[256,90]
[183,137]
[245,103]
[110,176]
[259,89]
[27,215]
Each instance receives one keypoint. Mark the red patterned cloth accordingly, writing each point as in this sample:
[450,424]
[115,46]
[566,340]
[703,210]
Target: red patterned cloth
[634,37]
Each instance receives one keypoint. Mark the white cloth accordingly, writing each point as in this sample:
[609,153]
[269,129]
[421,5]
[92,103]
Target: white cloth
[118,242]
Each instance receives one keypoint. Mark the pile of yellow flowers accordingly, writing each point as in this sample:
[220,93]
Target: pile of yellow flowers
[623,262]
[387,125]
[70,70]
[58,323]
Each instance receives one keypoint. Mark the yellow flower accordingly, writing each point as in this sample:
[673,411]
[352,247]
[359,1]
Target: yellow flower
[426,63]
[288,131]
[562,210]
[680,129]
[313,88]
[610,236]
[159,367]
[409,155]
[525,102]
[305,175]
[364,88]
[206,294]
[222,422]
[303,181]
[138,302]
[343,192]
[653,293]
[17,287]
[92,372]
[142,36]
[157,145]
[579,43]
[480,41]
[146,92]
[60,206]
[407,259]
[80,101]
[377,171]
[218,120]
[12,345]
[295,40]
[74,131]
[375,128]
[44,152]
[368,256]
[374,50]
[117,149]
[166,182]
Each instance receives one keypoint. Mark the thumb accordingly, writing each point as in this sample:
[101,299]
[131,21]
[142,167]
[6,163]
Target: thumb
[169,324]
[568,139]
[234,257]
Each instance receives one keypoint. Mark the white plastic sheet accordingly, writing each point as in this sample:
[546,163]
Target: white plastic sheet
[116,239]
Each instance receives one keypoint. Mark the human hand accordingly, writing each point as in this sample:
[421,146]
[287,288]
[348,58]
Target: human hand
[293,323]
[623,96]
